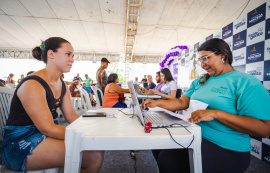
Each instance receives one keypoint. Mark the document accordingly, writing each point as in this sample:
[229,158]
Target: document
[194,105]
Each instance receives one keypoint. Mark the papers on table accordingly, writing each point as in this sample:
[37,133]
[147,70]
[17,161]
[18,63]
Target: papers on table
[194,105]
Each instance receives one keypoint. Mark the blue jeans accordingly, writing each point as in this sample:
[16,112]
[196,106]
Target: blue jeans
[18,143]
[120,105]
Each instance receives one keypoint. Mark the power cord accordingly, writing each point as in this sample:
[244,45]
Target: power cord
[132,155]
[174,139]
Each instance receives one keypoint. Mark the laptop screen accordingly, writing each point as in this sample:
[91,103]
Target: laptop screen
[135,102]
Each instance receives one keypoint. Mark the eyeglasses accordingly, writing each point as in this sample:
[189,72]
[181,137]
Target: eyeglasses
[204,59]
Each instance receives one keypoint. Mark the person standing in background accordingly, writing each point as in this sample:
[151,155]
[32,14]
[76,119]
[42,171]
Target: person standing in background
[22,76]
[88,81]
[144,82]
[101,74]
[77,77]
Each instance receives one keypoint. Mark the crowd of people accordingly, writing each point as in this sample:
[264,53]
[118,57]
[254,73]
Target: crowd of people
[238,107]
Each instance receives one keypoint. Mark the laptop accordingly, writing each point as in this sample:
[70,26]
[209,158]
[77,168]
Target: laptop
[157,118]
[137,90]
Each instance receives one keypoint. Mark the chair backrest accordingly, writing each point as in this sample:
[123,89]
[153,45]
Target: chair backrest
[85,99]
[96,90]
[178,93]
[6,95]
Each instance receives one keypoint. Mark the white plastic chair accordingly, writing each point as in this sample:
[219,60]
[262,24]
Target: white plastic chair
[85,100]
[6,95]
[95,90]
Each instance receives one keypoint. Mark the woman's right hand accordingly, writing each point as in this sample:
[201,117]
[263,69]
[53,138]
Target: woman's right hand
[148,103]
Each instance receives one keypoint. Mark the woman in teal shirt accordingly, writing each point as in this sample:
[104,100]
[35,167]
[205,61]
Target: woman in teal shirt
[238,107]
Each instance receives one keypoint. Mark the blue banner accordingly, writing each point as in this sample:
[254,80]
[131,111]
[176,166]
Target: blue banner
[256,16]
[209,37]
[255,52]
[227,31]
[187,52]
[240,40]
[267,29]
[266,76]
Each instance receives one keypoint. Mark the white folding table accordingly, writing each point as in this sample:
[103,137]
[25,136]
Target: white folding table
[125,133]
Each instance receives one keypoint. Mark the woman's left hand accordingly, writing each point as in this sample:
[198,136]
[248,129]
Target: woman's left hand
[202,115]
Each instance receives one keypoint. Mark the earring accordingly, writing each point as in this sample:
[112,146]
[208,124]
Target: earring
[223,61]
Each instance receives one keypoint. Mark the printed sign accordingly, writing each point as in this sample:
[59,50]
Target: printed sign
[227,31]
[267,29]
[256,16]
[256,148]
[267,49]
[256,33]
[196,46]
[266,70]
[255,52]
[255,69]
[229,41]
[239,40]
[266,84]
[209,37]
[266,153]
[239,57]
[241,68]
[218,34]
[187,52]
[267,10]
[240,24]
[183,62]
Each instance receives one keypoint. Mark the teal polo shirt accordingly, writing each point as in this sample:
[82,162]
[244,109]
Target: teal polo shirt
[88,82]
[237,93]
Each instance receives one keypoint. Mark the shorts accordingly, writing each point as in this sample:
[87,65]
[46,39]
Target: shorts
[18,143]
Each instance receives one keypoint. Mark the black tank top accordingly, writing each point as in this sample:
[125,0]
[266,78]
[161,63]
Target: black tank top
[18,115]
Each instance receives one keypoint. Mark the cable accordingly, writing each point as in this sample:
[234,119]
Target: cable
[132,155]
[174,139]
[243,9]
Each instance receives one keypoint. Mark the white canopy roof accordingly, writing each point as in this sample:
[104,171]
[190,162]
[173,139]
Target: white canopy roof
[100,26]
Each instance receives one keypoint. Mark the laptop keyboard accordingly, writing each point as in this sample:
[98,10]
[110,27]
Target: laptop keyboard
[154,118]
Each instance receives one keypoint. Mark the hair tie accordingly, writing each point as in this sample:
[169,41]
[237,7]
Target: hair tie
[40,46]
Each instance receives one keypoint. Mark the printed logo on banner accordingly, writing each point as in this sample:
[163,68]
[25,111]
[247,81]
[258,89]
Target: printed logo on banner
[255,52]
[267,29]
[229,41]
[256,16]
[266,153]
[239,40]
[266,84]
[241,68]
[266,140]
[266,70]
[209,37]
[183,62]
[191,51]
[256,33]
[267,10]
[267,49]
[256,148]
[239,57]
[256,69]
[240,25]
[218,34]
[227,31]
[175,69]
[186,52]
[196,46]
